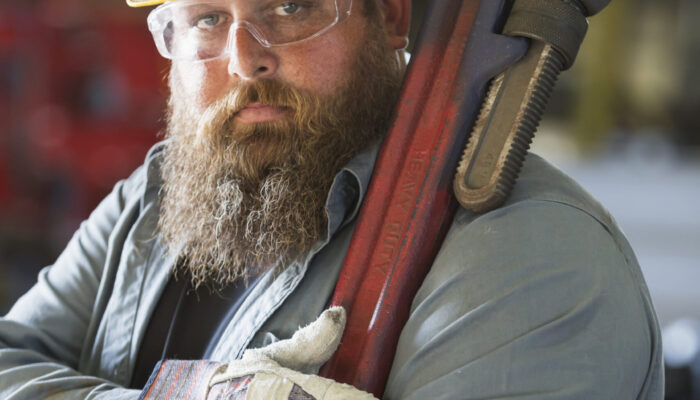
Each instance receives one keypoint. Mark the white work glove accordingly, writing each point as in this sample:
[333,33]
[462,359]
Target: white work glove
[282,370]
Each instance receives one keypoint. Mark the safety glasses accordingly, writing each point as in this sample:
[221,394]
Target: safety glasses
[191,30]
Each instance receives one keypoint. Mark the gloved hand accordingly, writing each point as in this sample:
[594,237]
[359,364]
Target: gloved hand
[283,370]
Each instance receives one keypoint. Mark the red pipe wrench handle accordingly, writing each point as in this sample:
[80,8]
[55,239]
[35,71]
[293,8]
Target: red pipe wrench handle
[409,204]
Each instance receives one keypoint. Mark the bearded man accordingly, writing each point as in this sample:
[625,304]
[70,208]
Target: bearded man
[232,235]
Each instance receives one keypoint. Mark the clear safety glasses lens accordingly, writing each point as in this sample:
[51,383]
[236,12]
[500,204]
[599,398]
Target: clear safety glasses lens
[201,30]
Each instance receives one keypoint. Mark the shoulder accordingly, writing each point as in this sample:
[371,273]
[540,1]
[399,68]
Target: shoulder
[545,283]
[549,217]
[542,183]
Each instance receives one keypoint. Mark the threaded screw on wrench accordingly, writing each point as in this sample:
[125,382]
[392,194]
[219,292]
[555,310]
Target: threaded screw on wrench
[518,97]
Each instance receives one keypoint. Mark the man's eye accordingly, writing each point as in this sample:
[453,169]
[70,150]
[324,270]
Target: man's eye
[287,8]
[208,21]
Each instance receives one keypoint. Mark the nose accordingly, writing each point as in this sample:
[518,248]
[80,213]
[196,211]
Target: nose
[248,58]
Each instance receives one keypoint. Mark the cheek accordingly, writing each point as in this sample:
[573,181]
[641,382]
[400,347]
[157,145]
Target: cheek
[201,83]
[324,67]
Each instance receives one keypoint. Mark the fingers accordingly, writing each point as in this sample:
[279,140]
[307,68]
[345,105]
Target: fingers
[309,347]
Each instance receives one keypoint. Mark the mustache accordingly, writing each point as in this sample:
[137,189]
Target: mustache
[266,92]
[304,106]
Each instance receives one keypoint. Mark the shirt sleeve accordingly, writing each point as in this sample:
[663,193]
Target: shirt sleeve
[536,300]
[42,337]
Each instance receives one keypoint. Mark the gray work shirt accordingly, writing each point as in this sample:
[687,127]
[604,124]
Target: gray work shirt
[540,299]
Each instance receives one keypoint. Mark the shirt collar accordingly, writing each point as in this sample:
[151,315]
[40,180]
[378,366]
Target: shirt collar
[349,188]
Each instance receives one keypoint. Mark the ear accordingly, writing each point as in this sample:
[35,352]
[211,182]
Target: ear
[397,18]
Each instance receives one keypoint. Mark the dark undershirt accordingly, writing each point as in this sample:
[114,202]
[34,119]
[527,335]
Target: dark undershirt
[186,325]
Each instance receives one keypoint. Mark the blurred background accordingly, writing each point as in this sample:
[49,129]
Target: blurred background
[81,100]
[82,93]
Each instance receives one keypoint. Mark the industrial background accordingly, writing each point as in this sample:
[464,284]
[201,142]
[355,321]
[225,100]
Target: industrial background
[82,93]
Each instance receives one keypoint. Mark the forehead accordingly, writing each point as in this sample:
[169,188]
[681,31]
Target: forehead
[145,3]
[330,6]
[276,12]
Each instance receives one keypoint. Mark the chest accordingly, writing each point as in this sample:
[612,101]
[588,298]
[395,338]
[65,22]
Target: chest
[137,279]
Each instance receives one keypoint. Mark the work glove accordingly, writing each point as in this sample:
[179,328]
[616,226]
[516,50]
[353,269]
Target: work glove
[283,370]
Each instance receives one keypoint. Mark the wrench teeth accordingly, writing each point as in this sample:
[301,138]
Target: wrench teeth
[504,130]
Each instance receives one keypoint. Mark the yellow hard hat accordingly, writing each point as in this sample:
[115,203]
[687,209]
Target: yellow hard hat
[144,3]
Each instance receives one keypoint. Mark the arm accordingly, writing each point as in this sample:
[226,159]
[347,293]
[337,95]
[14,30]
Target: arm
[42,337]
[535,300]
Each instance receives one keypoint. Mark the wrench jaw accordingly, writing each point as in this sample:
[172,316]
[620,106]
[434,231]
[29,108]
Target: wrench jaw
[517,98]
[502,135]
[474,186]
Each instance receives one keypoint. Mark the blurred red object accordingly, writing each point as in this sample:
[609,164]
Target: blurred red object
[84,91]
[4,183]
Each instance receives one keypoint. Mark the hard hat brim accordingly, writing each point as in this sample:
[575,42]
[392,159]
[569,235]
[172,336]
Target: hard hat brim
[144,3]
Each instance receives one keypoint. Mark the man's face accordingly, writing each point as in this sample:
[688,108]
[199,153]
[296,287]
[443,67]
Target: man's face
[319,66]
[257,138]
